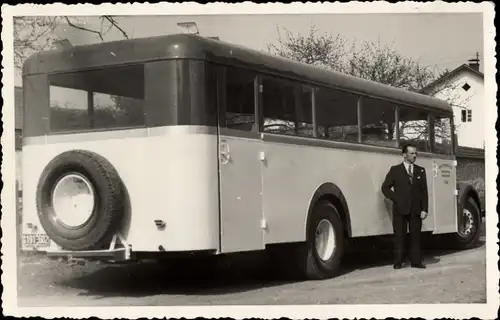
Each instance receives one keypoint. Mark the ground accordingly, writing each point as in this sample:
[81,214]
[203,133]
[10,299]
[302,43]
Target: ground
[367,277]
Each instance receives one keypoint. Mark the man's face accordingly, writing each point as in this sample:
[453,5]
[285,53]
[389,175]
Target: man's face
[411,154]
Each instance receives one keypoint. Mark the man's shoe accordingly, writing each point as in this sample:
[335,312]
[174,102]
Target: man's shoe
[418,265]
[398,266]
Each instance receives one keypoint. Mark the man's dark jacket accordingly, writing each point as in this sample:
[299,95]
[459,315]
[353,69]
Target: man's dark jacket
[407,197]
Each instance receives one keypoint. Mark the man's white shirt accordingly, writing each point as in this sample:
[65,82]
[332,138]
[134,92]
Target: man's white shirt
[407,166]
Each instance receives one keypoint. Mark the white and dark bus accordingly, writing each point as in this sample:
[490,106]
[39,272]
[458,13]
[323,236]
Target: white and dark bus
[180,144]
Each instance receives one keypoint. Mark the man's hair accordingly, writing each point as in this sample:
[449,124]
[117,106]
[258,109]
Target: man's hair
[404,149]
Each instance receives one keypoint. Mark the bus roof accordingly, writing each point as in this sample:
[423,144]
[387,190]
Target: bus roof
[189,46]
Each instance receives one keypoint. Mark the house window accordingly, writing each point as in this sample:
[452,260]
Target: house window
[466,87]
[467,115]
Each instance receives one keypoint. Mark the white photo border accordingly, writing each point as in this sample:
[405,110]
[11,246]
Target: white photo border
[9,265]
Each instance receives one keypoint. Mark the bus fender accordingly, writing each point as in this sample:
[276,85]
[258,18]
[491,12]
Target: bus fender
[466,189]
[332,192]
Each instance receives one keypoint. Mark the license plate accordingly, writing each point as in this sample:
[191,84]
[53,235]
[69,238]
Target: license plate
[35,239]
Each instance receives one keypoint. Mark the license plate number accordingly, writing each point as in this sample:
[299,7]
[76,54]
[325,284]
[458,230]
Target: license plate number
[34,239]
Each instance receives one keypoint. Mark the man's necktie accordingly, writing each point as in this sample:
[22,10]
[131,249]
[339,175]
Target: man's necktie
[410,172]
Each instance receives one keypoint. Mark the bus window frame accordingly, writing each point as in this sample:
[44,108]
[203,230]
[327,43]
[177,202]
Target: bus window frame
[314,89]
[90,100]
[454,137]
[432,118]
[257,94]
[432,134]
[258,76]
[282,80]
[221,87]
[396,131]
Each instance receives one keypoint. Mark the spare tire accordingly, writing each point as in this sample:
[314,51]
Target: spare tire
[87,228]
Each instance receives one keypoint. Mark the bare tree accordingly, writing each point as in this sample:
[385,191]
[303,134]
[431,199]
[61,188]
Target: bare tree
[373,61]
[35,33]
[317,49]
[385,65]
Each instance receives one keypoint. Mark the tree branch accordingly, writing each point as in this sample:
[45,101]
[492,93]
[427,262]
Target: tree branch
[32,34]
[83,28]
[113,22]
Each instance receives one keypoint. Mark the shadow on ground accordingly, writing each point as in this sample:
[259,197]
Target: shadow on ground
[229,276]
[187,278]
[365,255]
[377,252]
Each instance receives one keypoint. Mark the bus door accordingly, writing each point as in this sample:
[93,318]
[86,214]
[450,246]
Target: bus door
[240,166]
[444,198]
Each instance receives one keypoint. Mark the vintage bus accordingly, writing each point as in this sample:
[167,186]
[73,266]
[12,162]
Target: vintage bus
[178,145]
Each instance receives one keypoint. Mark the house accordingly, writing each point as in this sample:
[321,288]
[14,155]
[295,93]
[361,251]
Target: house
[463,88]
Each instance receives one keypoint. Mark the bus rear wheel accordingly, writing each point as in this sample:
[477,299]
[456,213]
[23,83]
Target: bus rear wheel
[324,246]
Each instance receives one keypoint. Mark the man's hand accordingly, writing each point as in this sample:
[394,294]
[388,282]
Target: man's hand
[423,215]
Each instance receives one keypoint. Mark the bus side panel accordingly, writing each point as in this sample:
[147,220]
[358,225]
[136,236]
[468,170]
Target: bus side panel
[293,173]
[240,194]
[445,200]
[429,223]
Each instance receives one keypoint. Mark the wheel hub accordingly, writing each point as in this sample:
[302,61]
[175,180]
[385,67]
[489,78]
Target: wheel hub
[73,200]
[325,240]
[467,223]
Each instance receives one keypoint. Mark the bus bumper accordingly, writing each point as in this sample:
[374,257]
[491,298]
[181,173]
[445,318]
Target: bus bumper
[120,254]
[114,253]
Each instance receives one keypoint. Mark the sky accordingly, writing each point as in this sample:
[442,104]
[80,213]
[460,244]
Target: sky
[444,40]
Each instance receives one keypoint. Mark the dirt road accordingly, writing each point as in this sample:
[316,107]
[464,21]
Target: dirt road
[368,277]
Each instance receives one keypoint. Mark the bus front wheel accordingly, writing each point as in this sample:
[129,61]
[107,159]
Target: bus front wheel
[469,228]
[324,246]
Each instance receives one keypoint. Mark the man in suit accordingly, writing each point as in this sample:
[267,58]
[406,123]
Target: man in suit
[410,204]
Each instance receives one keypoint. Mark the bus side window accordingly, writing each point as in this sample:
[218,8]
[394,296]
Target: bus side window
[442,135]
[240,101]
[69,109]
[304,123]
[414,127]
[378,122]
[279,106]
[336,115]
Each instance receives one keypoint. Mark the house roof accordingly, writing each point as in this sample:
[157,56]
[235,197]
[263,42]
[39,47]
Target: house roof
[470,153]
[18,107]
[463,67]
